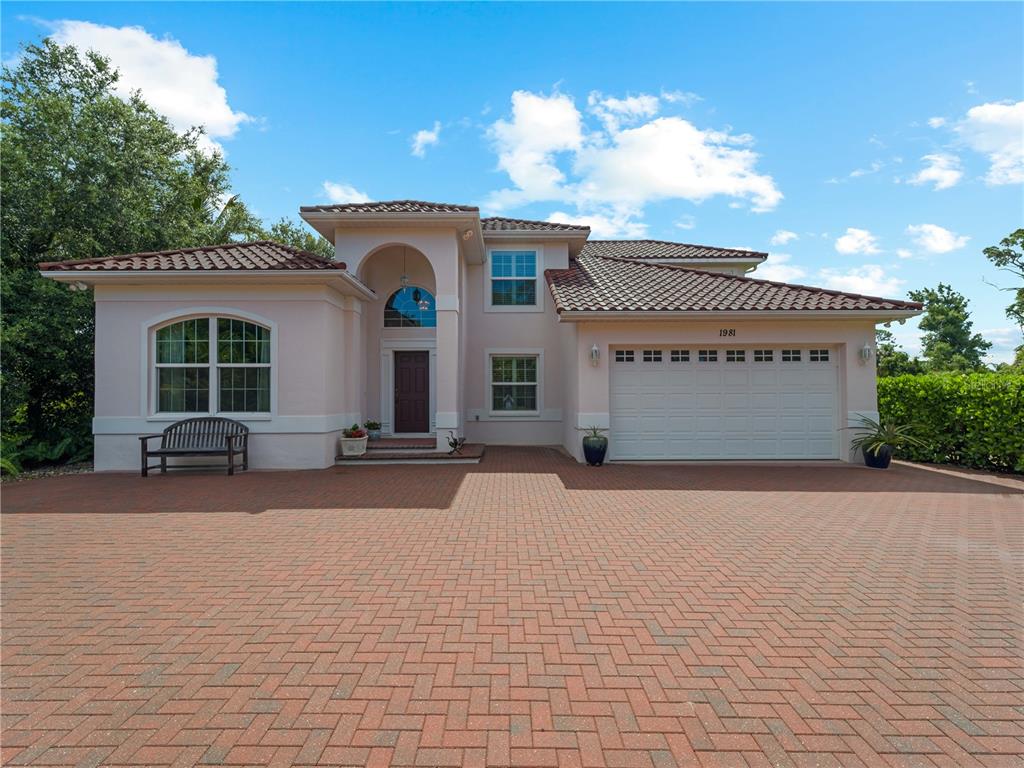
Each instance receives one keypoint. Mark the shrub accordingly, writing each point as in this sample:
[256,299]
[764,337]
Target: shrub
[973,420]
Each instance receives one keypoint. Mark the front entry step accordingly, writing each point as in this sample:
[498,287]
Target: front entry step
[471,454]
[402,443]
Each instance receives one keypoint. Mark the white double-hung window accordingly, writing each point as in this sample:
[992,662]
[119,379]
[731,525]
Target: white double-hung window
[212,365]
[514,382]
[513,280]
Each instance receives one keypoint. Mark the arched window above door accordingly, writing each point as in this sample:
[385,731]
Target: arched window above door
[410,307]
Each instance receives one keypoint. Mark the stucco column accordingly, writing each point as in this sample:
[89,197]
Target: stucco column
[447,376]
[444,259]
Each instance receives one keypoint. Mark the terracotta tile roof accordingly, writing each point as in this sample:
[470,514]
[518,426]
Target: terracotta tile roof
[259,255]
[390,206]
[619,285]
[502,224]
[662,249]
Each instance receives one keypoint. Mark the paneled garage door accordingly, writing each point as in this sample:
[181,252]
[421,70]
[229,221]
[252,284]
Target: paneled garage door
[724,403]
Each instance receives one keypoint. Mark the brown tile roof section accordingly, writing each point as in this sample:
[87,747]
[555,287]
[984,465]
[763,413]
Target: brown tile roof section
[230,257]
[391,206]
[502,224]
[618,285]
[662,249]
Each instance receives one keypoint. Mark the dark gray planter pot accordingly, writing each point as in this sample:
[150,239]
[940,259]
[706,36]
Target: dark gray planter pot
[594,449]
[879,460]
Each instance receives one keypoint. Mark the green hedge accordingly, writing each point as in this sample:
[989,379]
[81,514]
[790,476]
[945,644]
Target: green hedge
[973,420]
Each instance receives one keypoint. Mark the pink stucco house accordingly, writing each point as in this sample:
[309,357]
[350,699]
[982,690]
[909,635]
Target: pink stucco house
[433,321]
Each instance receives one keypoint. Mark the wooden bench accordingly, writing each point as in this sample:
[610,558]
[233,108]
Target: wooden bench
[203,436]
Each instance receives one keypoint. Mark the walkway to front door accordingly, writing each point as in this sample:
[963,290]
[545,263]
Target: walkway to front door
[412,392]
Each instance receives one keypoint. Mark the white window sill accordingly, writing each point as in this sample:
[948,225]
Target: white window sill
[172,417]
[513,308]
[514,414]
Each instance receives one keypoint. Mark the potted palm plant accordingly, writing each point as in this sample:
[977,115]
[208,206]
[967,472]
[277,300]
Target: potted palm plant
[877,440]
[595,445]
[353,441]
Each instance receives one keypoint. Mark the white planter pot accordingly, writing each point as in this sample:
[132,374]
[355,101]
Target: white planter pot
[353,446]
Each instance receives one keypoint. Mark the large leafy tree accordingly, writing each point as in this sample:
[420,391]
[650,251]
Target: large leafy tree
[85,173]
[288,232]
[891,358]
[948,343]
[1009,256]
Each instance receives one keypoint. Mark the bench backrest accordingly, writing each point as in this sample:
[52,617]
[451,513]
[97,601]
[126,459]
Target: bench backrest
[200,433]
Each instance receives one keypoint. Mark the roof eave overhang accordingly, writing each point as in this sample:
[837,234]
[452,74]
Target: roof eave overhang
[466,223]
[576,239]
[340,280]
[876,315]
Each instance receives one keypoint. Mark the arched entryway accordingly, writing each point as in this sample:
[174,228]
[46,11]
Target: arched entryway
[400,340]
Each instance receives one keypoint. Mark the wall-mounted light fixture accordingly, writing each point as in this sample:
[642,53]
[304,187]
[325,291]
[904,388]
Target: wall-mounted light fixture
[595,356]
[866,352]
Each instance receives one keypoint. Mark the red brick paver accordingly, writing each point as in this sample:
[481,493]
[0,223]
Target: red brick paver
[524,611]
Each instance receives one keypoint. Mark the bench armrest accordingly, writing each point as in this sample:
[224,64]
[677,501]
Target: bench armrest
[144,438]
[242,437]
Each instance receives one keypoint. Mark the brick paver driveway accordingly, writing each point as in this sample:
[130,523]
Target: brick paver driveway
[526,611]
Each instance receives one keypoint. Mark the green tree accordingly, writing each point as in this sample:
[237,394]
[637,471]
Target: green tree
[890,358]
[85,173]
[948,343]
[1009,256]
[288,232]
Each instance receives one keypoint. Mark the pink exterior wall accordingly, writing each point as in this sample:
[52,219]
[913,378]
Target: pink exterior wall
[857,378]
[311,399]
[513,330]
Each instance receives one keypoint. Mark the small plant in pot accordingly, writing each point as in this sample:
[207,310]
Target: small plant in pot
[353,441]
[373,428]
[878,440]
[595,445]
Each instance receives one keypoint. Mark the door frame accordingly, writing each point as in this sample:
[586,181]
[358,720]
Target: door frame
[387,377]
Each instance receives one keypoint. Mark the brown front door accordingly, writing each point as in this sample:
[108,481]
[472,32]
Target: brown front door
[412,392]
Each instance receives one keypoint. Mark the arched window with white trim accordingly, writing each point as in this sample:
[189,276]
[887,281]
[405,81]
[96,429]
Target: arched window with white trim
[212,365]
[410,307]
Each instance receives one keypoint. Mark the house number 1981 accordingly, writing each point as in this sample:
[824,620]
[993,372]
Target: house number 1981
[726,331]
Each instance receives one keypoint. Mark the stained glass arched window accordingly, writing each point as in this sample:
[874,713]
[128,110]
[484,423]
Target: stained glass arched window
[410,307]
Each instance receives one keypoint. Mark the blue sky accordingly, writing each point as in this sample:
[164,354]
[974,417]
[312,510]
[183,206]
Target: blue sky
[872,147]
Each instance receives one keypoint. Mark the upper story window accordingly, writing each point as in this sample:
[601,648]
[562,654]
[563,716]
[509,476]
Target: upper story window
[212,365]
[410,307]
[513,278]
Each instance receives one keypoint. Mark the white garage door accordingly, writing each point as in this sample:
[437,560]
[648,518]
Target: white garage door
[724,403]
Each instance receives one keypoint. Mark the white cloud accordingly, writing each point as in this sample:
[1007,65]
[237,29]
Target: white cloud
[339,192]
[424,138]
[615,113]
[783,236]
[904,253]
[941,169]
[997,131]
[936,239]
[857,241]
[540,127]
[178,84]
[686,221]
[1004,343]
[875,167]
[778,267]
[686,98]
[614,171]
[936,122]
[869,279]
[610,224]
